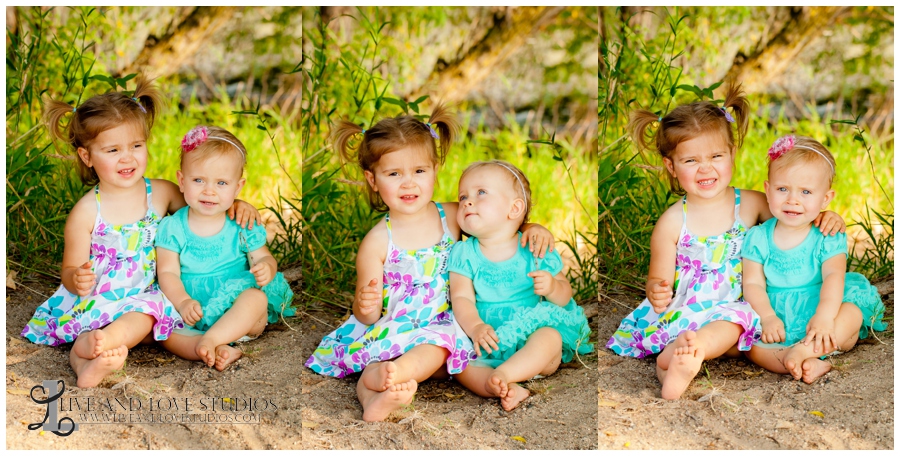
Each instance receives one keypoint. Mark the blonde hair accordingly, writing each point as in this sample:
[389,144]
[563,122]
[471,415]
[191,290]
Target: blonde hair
[100,113]
[392,134]
[689,121]
[517,179]
[219,143]
[805,150]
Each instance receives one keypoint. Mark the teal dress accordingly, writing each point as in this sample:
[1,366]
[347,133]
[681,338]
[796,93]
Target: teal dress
[215,269]
[505,299]
[794,279]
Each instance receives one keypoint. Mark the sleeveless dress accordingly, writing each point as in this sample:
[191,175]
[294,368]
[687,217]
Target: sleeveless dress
[415,311]
[794,280]
[124,260]
[215,269]
[707,288]
[505,299]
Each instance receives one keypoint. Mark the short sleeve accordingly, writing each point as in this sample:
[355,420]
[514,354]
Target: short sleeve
[256,237]
[461,259]
[170,234]
[756,246]
[832,245]
[551,263]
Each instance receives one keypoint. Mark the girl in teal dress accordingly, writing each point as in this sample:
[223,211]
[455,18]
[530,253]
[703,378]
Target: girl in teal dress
[517,308]
[220,276]
[795,278]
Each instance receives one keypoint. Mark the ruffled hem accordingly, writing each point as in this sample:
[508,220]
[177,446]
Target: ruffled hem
[860,292]
[644,332]
[513,333]
[277,292]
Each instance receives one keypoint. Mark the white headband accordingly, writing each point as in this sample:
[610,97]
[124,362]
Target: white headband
[229,142]
[798,146]
[514,173]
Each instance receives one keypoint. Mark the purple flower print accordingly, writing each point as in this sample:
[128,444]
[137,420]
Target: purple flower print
[100,322]
[390,353]
[72,327]
[164,326]
[660,338]
[429,293]
[361,357]
[686,241]
[395,257]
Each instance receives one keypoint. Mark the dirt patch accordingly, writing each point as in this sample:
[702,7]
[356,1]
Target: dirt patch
[268,371]
[736,405]
[560,414]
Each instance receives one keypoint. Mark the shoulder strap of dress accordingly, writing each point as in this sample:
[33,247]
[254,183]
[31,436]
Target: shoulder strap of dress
[684,210]
[737,203]
[387,223]
[97,197]
[443,218]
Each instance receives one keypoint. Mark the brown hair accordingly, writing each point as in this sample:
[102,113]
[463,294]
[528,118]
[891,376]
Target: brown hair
[392,134]
[689,121]
[100,113]
[219,143]
[515,176]
[806,150]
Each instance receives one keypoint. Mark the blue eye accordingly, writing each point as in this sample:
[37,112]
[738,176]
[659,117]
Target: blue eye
[223,183]
[807,192]
[462,197]
[198,180]
[482,192]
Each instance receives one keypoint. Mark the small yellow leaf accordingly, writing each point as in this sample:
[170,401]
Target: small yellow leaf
[312,327]
[607,404]
[817,413]
[41,433]
[309,424]
[227,399]
[627,444]
[518,438]
[18,391]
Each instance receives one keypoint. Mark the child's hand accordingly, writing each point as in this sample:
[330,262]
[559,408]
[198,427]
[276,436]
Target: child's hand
[263,273]
[830,223]
[191,311]
[483,336]
[820,331]
[540,240]
[369,298]
[84,279]
[244,214]
[544,283]
[772,329]
[660,296]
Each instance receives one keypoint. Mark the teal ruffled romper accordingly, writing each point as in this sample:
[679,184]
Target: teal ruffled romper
[505,299]
[794,279]
[215,269]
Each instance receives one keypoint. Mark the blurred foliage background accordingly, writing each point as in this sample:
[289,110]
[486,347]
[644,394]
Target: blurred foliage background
[522,80]
[824,72]
[227,66]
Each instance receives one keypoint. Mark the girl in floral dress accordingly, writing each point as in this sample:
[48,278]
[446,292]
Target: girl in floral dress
[402,330]
[109,299]
[694,308]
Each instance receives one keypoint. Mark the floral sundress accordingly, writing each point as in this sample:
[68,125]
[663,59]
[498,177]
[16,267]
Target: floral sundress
[415,311]
[707,288]
[124,260]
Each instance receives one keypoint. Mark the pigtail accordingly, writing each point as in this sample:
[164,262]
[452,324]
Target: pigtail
[54,111]
[149,99]
[638,124]
[736,99]
[340,140]
[447,127]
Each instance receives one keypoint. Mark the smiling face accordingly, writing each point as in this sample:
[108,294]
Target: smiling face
[488,202]
[117,155]
[797,193]
[211,184]
[703,165]
[404,179]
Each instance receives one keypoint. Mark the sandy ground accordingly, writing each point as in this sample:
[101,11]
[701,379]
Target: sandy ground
[560,414]
[735,404]
[269,370]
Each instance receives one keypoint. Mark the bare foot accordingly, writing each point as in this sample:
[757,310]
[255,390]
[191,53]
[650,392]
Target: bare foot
[684,367]
[98,368]
[206,351]
[380,377]
[813,369]
[225,355]
[497,384]
[514,397]
[90,345]
[793,361]
[383,404]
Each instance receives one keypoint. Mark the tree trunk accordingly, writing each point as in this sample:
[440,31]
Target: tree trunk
[771,58]
[508,31]
[163,57]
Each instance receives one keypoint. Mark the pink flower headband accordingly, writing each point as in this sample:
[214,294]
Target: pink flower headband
[199,135]
[788,142]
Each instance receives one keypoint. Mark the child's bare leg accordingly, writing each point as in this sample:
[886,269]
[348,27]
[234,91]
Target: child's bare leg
[710,341]
[418,364]
[846,331]
[182,346]
[128,330]
[241,319]
[90,372]
[378,405]
[541,354]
